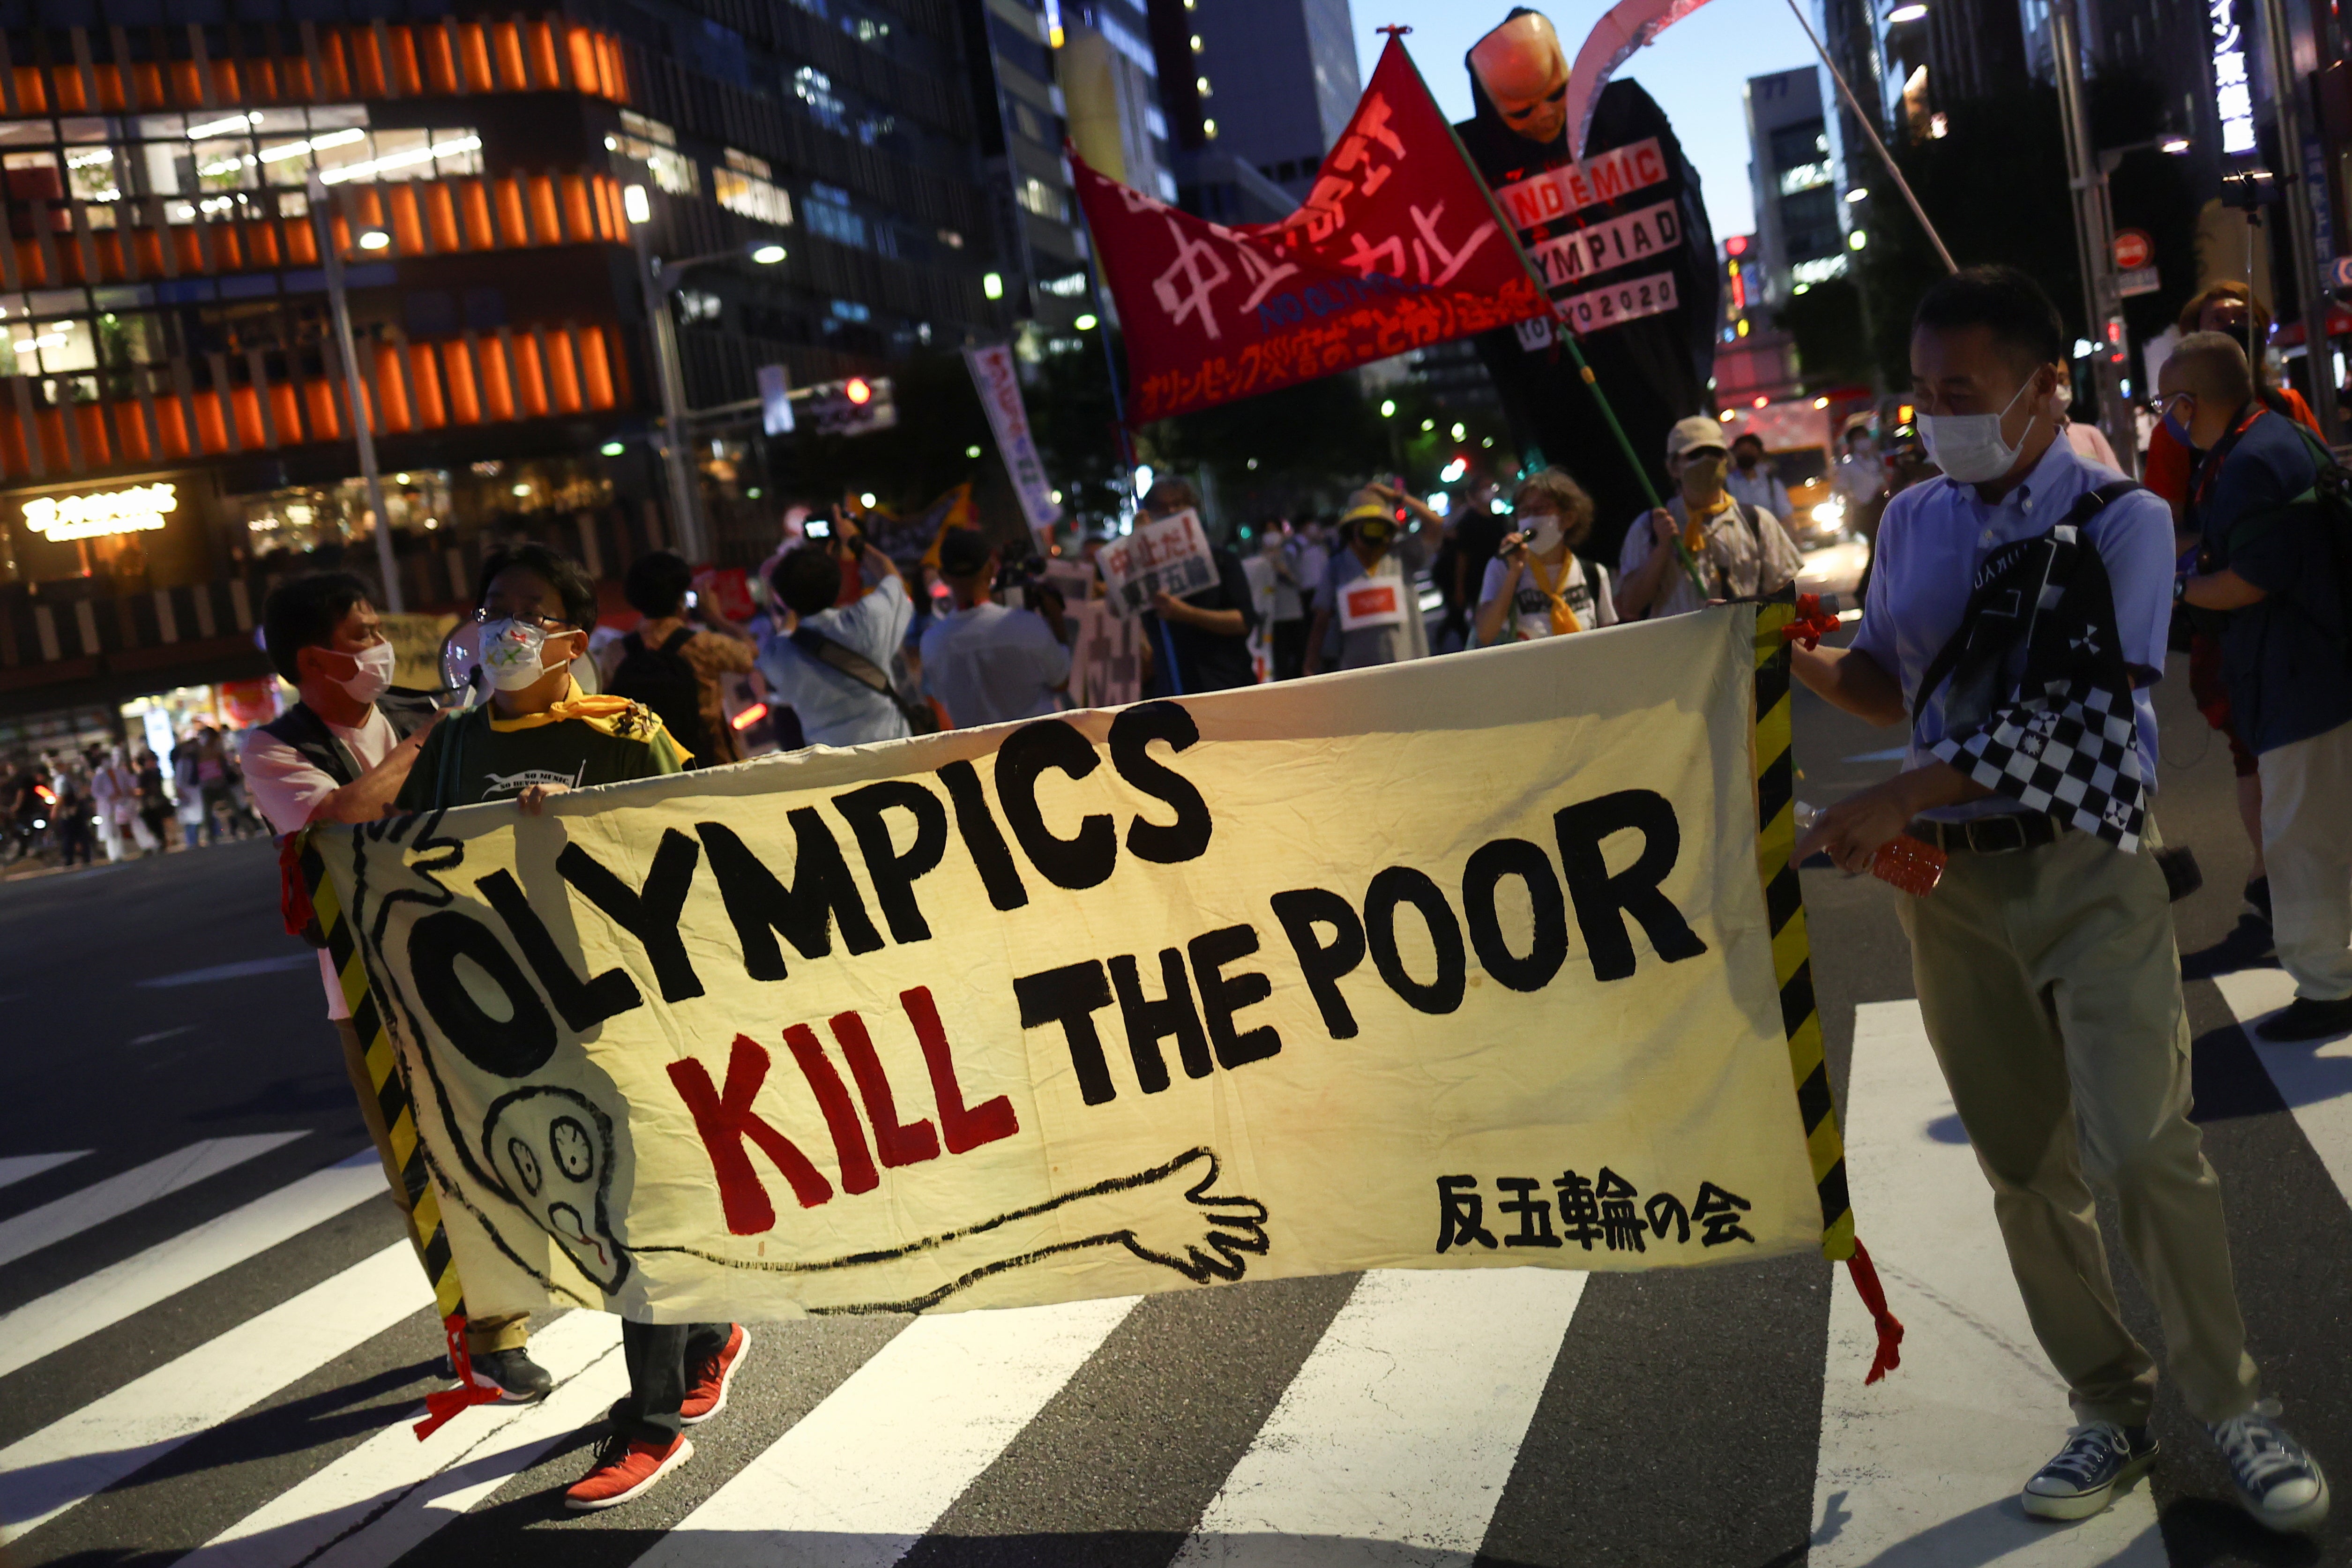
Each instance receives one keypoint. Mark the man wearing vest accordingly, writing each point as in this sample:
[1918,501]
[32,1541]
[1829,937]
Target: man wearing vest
[340,755]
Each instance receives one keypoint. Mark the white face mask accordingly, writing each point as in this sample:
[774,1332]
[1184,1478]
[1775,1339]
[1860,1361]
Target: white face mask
[1543,534]
[512,654]
[373,675]
[1967,447]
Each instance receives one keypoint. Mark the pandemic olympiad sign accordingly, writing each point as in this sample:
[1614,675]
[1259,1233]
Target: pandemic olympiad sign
[1463,962]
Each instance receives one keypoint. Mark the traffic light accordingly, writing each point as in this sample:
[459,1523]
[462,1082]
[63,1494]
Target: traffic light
[850,408]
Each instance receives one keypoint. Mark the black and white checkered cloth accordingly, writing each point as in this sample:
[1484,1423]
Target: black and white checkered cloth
[2072,752]
[2065,740]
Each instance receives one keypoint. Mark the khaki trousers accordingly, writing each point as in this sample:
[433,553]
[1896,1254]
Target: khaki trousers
[2307,849]
[492,1331]
[2051,988]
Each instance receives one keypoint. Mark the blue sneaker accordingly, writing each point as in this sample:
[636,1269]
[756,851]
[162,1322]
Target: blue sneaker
[2277,1482]
[2098,1458]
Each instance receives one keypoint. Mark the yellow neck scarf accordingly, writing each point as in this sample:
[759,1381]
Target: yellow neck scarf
[1563,619]
[601,712]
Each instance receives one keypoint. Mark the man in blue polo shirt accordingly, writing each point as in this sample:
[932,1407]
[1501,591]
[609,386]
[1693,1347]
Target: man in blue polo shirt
[2272,567]
[2045,960]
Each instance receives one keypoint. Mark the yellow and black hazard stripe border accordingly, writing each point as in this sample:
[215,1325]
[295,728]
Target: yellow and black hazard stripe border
[1784,903]
[430,1237]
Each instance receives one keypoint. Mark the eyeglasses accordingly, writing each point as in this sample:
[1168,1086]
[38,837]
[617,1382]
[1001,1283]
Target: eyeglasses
[483,617]
[1690,452]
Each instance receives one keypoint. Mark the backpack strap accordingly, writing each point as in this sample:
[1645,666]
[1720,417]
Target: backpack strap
[631,643]
[2087,505]
[848,661]
[677,641]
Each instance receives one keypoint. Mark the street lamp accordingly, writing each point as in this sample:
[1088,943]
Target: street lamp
[363,420]
[657,277]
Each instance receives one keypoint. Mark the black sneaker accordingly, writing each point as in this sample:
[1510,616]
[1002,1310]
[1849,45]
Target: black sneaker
[2305,1018]
[2258,899]
[519,1379]
[2278,1483]
[2082,1480]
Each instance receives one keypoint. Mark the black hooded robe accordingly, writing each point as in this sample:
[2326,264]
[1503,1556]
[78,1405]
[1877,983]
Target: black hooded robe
[1653,368]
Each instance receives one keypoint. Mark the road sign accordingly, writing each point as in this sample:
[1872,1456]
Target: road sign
[2138,280]
[2134,250]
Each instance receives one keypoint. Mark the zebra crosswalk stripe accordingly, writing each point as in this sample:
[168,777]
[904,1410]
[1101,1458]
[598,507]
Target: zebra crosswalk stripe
[17,1168]
[391,1492]
[112,1199]
[70,1460]
[2311,1079]
[863,1477]
[1925,1465]
[99,1300]
[1393,1444]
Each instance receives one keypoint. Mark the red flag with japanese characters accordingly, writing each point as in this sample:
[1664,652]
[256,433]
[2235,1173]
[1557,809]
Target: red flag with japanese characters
[1397,245]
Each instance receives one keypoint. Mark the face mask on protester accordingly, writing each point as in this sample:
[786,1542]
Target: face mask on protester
[2175,424]
[372,675]
[512,654]
[1543,531]
[1967,447]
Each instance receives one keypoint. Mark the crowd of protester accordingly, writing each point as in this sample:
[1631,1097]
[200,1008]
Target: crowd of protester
[851,642]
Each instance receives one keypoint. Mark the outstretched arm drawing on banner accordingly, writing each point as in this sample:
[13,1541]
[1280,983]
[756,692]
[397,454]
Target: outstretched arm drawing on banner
[1165,1216]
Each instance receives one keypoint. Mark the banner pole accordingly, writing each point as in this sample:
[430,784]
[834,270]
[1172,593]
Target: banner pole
[1625,444]
[1871,131]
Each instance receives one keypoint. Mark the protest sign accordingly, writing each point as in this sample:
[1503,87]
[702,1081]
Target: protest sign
[1106,654]
[1397,245]
[998,385]
[1371,602]
[1444,964]
[1170,555]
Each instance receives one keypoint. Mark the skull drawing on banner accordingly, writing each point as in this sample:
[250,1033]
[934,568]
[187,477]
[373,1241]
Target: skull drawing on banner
[552,1148]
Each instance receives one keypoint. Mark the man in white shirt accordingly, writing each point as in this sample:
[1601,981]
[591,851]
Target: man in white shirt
[988,663]
[338,756]
[1738,550]
[2044,960]
[1752,478]
[840,701]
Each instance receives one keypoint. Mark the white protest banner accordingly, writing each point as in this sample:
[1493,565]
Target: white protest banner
[1461,962]
[998,385]
[1170,555]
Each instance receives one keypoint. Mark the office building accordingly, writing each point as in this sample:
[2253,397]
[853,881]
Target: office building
[1792,178]
[1255,92]
[174,434]
[1019,121]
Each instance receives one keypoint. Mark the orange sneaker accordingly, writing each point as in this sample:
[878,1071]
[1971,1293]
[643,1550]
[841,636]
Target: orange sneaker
[624,1471]
[708,1397]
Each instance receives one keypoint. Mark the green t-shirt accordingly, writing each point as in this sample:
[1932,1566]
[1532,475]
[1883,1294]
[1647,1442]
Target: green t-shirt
[498,764]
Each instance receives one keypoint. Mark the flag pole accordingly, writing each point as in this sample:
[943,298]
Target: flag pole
[1559,329]
[1871,131]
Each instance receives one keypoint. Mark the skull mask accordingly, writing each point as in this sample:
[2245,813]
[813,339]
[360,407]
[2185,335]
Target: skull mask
[553,1150]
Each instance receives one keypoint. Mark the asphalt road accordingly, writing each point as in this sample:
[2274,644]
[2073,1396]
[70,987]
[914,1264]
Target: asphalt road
[148,1408]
